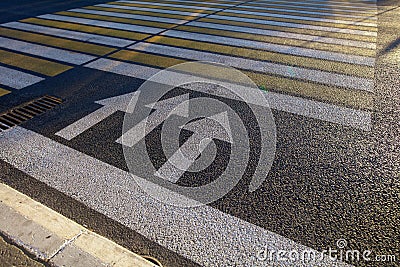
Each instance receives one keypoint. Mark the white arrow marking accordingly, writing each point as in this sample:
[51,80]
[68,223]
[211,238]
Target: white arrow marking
[178,105]
[125,103]
[214,127]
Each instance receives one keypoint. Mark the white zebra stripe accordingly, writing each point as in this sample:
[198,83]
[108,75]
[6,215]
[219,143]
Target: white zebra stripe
[128,16]
[87,37]
[294,25]
[291,104]
[171,5]
[17,79]
[184,13]
[45,51]
[298,51]
[282,34]
[293,4]
[311,12]
[264,14]
[261,66]
[106,24]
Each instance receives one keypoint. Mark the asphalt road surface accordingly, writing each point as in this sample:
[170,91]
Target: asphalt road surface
[329,71]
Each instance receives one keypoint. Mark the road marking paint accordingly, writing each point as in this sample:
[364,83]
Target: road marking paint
[31,218]
[44,51]
[338,35]
[297,51]
[149,59]
[4,91]
[37,65]
[344,5]
[163,4]
[282,34]
[174,12]
[195,3]
[119,20]
[129,16]
[105,7]
[57,42]
[333,66]
[287,103]
[165,8]
[302,18]
[17,79]
[296,24]
[296,6]
[238,240]
[110,106]
[259,66]
[112,25]
[89,29]
[86,37]
[314,14]
[357,51]
[178,105]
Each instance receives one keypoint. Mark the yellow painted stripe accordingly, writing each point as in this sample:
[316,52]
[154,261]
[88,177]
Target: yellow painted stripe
[37,65]
[89,29]
[120,20]
[58,42]
[284,41]
[145,13]
[165,7]
[338,17]
[351,98]
[331,66]
[316,23]
[370,39]
[335,95]
[149,59]
[4,92]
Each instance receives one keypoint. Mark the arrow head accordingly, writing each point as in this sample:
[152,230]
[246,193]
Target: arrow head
[178,105]
[214,127]
[125,103]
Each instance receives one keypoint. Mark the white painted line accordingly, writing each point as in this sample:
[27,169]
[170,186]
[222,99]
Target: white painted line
[261,66]
[214,3]
[296,105]
[86,37]
[106,24]
[344,5]
[295,25]
[128,16]
[291,50]
[303,18]
[45,51]
[178,105]
[282,34]
[200,231]
[171,5]
[323,14]
[165,11]
[110,106]
[304,6]
[17,79]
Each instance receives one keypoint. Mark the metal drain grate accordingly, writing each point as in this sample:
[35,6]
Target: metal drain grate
[27,111]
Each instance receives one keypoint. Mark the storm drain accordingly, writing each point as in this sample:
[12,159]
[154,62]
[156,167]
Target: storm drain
[27,111]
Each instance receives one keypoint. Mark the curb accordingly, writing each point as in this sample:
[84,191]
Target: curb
[54,239]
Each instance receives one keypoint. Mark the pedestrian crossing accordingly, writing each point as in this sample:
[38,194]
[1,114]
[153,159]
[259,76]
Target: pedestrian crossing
[316,55]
